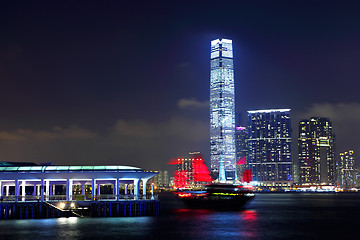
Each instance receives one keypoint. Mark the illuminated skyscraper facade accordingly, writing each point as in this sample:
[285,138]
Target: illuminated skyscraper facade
[316,146]
[162,180]
[347,172]
[222,111]
[241,137]
[269,147]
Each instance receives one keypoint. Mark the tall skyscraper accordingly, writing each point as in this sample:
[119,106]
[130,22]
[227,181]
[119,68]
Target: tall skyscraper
[241,137]
[222,111]
[162,180]
[347,172]
[269,147]
[316,145]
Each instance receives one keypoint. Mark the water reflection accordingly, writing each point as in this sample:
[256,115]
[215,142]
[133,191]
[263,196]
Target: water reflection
[209,224]
[70,220]
[250,216]
[76,228]
[269,216]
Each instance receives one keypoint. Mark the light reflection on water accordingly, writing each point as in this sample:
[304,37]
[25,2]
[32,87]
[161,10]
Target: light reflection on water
[208,224]
[269,216]
[76,228]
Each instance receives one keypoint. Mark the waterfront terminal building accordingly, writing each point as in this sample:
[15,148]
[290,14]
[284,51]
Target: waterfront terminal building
[76,185]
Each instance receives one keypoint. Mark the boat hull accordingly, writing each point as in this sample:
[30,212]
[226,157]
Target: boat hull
[218,202]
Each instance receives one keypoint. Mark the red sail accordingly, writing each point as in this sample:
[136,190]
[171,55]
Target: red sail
[201,172]
[181,179]
[247,175]
[188,175]
[241,161]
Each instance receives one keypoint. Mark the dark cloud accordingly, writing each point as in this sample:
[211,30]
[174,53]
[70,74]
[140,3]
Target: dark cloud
[72,132]
[192,103]
[135,142]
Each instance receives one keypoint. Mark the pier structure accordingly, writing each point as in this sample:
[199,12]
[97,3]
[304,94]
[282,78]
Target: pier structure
[68,187]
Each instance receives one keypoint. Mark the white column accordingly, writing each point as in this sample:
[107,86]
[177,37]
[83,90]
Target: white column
[16,189]
[98,190]
[117,189]
[93,185]
[50,189]
[7,190]
[70,189]
[136,188]
[83,189]
[42,190]
[34,191]
[126,189]
[67,189]
[23,184]
[152,190]
[47,190]
[144,187]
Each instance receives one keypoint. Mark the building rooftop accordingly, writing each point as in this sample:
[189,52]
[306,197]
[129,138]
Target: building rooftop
[68,169]
[269,110]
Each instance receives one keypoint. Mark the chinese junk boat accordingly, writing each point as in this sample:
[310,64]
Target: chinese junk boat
[218,196]
[211,195]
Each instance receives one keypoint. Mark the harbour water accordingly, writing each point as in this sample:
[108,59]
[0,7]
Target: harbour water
[268,216]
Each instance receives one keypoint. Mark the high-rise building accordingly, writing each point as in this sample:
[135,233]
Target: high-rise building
[269,147]
[347,172]
[222,111]
[191,171]
[162,180]
[316,146]
[241,137]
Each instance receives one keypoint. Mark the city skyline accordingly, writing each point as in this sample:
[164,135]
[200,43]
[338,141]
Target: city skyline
[84,83]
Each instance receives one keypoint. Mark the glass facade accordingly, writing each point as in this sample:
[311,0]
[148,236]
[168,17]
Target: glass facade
[241,137]
[316,146]
[347,172]
[269,145]
[222,109]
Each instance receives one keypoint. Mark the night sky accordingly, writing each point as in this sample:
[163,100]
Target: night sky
[113,82]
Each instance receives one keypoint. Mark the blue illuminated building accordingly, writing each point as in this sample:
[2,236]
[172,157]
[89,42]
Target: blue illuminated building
[269,147]
[28,190]
[222,111]
[36,182]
